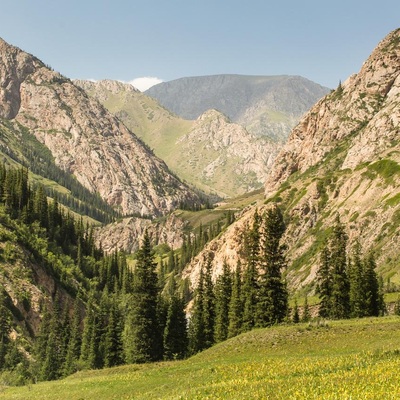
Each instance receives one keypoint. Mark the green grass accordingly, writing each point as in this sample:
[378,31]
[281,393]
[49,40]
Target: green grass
[357,359]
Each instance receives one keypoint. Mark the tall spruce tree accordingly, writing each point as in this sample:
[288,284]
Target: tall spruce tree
[236,304]
[196,326]
[223,293]
[74,343]
[5,328]
[272,304]
[209,305]
[175,331]
[251,254]
[374,302]
[357,295]
[340,301]
[113,349]
[141,328]
[324,282]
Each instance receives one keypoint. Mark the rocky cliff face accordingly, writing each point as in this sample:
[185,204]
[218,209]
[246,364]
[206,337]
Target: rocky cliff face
[342,158]
[85,139]
[126,235]
[364,110]
[224,155]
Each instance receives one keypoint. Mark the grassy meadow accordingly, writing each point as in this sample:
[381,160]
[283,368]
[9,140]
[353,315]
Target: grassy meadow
[352,359]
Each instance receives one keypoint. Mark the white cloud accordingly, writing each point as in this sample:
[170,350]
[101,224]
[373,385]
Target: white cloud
[145,82]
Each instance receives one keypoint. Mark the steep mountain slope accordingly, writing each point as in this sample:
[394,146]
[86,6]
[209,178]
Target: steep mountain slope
[211,152]
[265,105]
[342,158]
[84,138]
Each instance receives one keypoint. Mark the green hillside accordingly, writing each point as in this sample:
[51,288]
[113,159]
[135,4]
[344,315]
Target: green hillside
[357,359]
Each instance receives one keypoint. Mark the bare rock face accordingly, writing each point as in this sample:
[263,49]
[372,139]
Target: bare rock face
[225,155]
[363,110]
[85,139]
[127,234]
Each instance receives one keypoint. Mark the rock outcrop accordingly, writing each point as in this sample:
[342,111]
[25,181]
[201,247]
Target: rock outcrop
[126,235]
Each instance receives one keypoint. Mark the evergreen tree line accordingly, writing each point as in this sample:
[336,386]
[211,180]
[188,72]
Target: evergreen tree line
[30,207]
[41,162]
[119,317]
[126,320]
[255,295]
[348,286]
[194,243]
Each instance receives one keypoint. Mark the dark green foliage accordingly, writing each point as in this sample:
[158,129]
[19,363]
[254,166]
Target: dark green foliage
[339,302]
[196,327]
[236,304]
[201,335]
[208,305]
[374,303]
[223,292]
[272,304]
[251,253]
[357,284]
[74,343]
[175,332]
[141,326]
[113,347]
[347,288]
[324,282]
[5,328]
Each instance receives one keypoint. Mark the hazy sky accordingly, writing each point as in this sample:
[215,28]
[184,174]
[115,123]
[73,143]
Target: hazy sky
[324,41]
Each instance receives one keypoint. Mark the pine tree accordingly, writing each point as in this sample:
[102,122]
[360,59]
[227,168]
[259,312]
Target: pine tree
[223,293]
[209,305]
[141,328]
[113,349]
[196,327]
[236,304]
[251,254]
[87,334]
[357,295]
[374,303]
[340,302]
[272,304]
[5,328]
[324,282]
[74,343]
[175,331]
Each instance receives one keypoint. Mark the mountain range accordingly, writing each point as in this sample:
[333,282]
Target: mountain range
[265,105]
[212,152]
[109,153]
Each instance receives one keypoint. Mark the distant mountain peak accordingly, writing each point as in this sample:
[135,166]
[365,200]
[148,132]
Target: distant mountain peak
[265,105]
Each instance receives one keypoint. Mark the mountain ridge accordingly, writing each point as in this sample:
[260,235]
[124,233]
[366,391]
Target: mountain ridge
[85,139]
[265,105]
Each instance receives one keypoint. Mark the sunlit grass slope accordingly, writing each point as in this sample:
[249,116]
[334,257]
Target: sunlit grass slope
[357,359]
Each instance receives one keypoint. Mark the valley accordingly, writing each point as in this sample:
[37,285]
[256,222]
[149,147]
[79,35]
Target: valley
[170,242]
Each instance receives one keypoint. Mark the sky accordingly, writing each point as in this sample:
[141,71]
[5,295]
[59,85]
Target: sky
[146,42]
